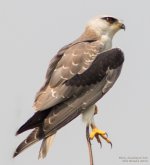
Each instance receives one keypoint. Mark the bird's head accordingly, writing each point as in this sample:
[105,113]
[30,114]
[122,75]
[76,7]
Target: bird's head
[105,25]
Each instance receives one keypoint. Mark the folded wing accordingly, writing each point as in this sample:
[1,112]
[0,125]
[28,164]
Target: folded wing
[87,88]
[70,61]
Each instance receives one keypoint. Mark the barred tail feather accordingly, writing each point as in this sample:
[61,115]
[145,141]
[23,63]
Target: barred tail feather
[34,137]
[45,146]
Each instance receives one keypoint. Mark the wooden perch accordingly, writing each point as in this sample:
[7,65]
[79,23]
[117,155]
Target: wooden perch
[89,146]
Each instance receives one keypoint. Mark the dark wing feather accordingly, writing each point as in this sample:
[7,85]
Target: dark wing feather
[96,72]
[35,121]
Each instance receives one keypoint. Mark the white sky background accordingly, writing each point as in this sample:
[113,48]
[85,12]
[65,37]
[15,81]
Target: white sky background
[31,32]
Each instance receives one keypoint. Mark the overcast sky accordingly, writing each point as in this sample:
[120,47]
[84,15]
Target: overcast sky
[31,32]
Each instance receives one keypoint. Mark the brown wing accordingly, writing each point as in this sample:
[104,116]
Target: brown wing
[88,88]
[72,60]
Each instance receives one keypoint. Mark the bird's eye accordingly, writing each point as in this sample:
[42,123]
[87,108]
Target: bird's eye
[110,19]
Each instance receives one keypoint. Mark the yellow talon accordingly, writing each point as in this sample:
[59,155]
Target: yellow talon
[96,131]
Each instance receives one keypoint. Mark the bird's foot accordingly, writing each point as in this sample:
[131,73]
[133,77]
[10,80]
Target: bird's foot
[99,133]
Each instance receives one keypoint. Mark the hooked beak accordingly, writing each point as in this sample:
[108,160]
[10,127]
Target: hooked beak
[123,26]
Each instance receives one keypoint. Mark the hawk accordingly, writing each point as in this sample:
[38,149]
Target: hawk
[77,77]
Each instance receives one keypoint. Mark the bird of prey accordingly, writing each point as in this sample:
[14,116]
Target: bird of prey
[77,77]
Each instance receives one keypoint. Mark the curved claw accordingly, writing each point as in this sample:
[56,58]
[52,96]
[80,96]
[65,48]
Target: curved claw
[98,140]
[99,134]
[100,145]
[110,144]
[106,134]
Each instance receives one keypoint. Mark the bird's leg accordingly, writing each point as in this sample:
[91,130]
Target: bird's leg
[98,133]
